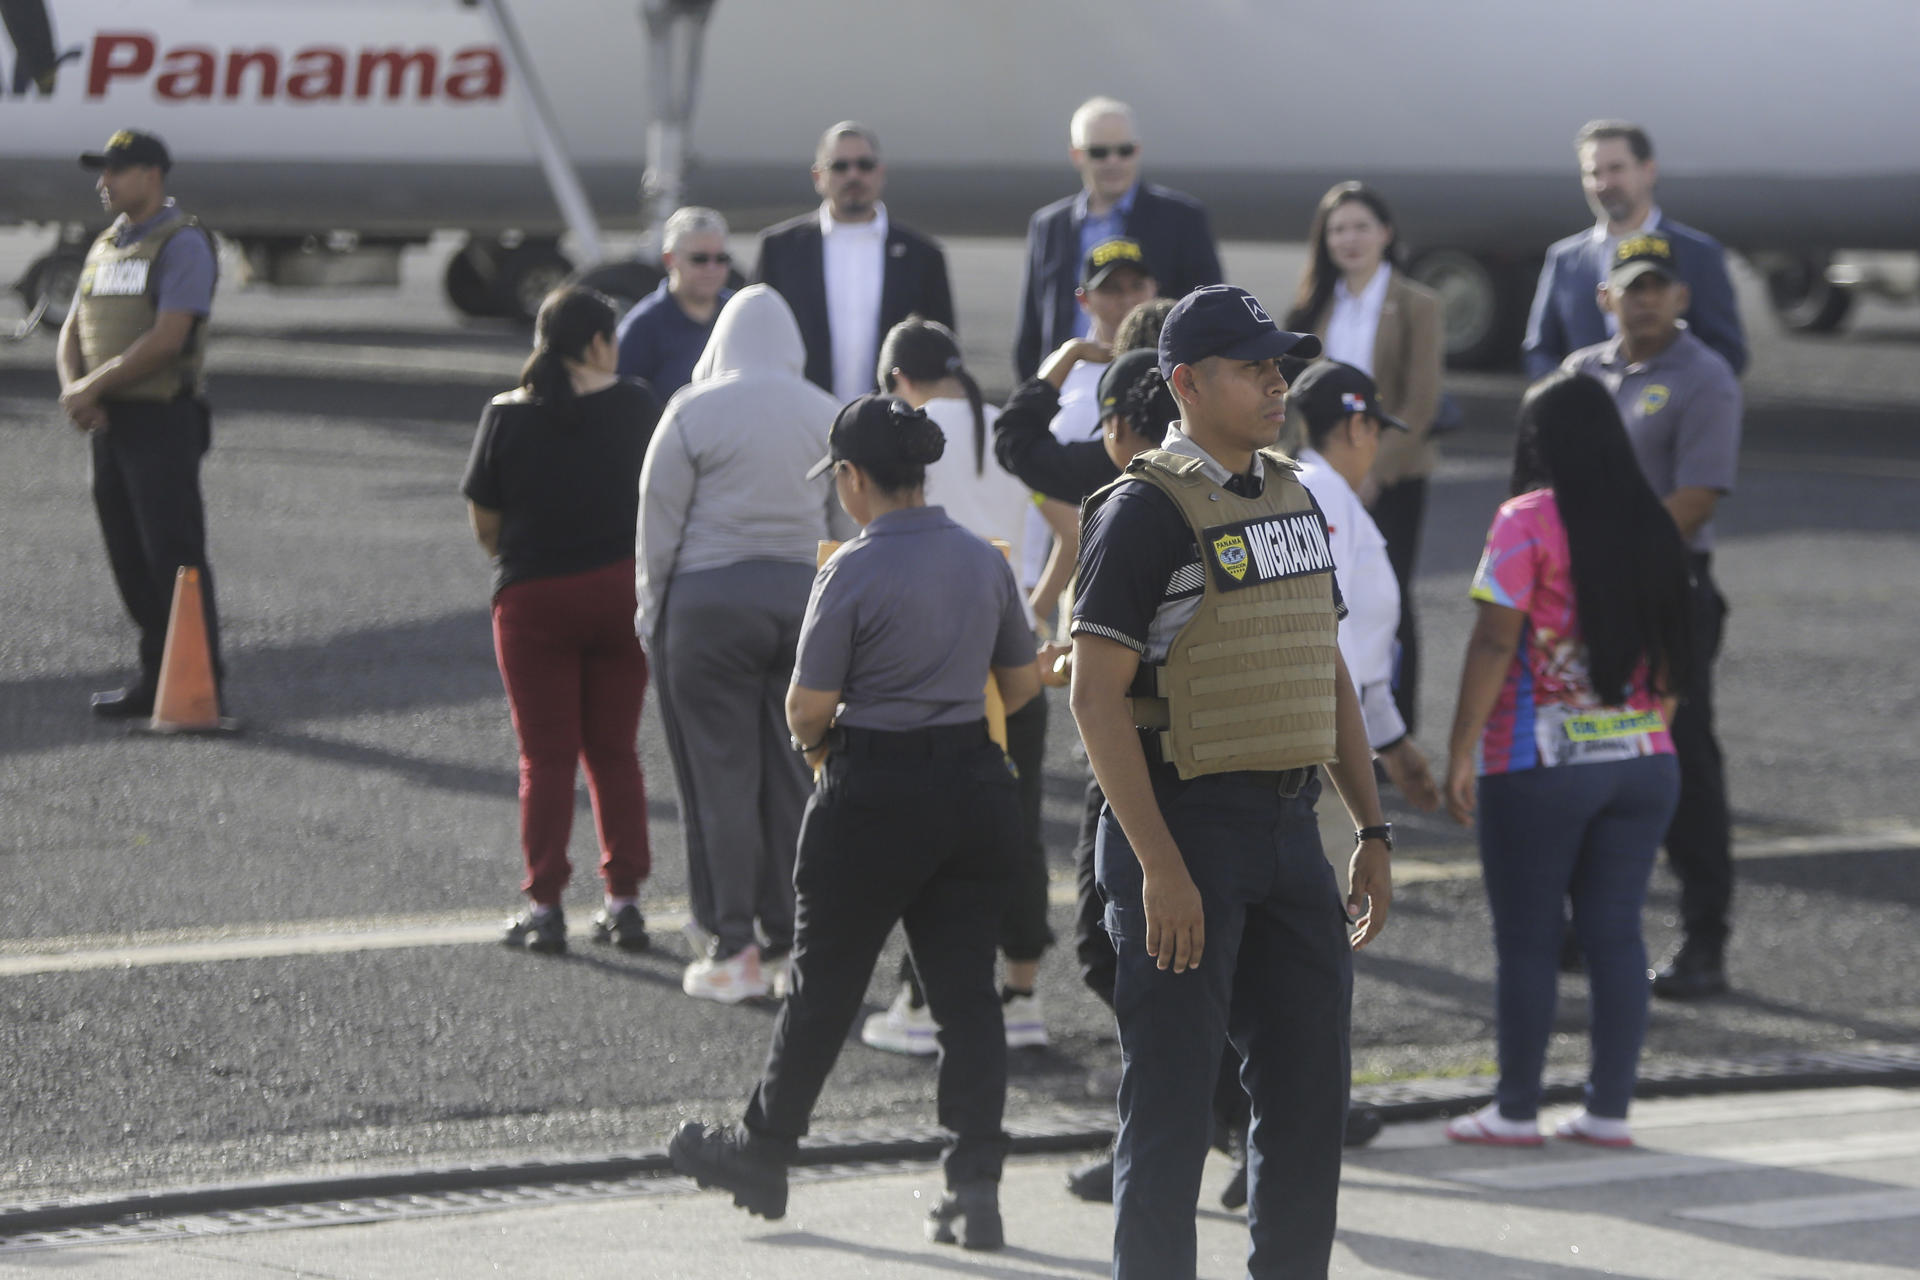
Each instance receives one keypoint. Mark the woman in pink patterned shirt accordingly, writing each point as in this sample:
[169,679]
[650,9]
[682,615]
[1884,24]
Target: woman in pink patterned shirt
[1561,740]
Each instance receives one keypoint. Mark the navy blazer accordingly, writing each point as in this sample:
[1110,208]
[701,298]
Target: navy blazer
[1566,316]
[790,259]
[1172,229]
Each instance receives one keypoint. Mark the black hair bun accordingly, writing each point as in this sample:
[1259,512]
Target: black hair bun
[921,440]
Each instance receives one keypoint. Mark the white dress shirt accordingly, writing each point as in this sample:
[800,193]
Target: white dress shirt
[1608,243]
[1356,320]
[854,261]
[1372,594]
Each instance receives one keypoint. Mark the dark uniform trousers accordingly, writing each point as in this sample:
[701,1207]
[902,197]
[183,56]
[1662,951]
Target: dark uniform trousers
[1276,978]
[1398,513]
[1700,839]
[146,489]
[921,828]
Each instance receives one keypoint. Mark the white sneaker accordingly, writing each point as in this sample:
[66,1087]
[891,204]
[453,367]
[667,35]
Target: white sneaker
[1026,1026]
[778,971]
[903,1028]
[728,981]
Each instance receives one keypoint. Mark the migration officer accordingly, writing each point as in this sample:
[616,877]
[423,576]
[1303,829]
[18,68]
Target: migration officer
[914,818]
[1208,686]
[129,363]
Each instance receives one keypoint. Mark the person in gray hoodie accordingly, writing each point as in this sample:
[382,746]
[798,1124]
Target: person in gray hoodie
[729,530]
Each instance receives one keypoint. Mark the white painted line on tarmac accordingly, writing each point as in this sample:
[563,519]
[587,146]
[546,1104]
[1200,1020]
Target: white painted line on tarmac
[1638,1166]
[1812,1211]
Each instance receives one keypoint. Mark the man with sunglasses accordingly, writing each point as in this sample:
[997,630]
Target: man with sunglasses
[847,271]
[664,334]
[1170,227]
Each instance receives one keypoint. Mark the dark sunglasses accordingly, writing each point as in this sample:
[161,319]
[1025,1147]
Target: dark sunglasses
[1124,150]
[865,164]
[707,259]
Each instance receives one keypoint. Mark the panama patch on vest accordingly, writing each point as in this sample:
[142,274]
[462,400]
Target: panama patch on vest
[1267,550]
[125,278]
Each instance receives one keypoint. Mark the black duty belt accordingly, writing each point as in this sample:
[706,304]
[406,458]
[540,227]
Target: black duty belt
[930,743]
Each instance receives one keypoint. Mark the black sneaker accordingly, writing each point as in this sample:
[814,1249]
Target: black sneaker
[124,704]
[976,1208]
[625,929]
[1363,1126]
[733,1160]
[1693,973]
[546,934]
[1093,1182]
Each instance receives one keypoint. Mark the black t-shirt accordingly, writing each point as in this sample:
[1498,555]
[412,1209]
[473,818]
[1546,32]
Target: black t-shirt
[566,480]
[1140,573]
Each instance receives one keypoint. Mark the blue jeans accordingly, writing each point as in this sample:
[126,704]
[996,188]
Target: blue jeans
[1588,832]
[1276,977]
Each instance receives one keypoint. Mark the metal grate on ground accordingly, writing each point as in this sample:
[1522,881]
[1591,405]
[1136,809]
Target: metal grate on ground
[272,1206]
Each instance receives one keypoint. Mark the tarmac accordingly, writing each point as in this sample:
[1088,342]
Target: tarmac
[1822,1183]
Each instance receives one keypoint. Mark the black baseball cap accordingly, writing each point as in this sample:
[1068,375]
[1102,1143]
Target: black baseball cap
[128,147]
[1225,320]
[879,428]
[1118,377]
[1329,391]
[1637,255]
[1108,256]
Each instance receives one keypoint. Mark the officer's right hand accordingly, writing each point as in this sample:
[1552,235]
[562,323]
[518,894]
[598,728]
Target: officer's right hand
[1176,921]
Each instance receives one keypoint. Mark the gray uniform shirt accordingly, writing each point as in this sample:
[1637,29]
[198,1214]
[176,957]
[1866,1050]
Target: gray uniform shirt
[1682,410]
[905,621]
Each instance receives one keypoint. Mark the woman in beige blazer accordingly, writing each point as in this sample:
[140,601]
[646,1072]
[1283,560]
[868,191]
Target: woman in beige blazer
[1369,314]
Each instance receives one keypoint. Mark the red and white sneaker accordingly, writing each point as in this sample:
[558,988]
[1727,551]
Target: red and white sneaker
[1488,1128]
[1598,1131]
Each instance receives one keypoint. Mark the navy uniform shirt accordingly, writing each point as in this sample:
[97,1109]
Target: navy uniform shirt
[659,343]
[1140,575]
[906,620]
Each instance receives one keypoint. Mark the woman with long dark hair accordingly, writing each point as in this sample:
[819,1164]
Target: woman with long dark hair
[1356,295]
[552,489]
[1570,682]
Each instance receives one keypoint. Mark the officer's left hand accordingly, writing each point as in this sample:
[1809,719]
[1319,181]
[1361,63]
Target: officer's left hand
[88,421]
[1371,878]
[80,403]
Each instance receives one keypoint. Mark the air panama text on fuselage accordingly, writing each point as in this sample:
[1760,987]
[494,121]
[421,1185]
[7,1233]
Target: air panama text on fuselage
[311,73]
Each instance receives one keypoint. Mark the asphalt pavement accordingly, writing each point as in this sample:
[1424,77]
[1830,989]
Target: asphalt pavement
[270,955]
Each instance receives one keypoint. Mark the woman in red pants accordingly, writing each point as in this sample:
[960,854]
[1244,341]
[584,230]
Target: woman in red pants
[553,489]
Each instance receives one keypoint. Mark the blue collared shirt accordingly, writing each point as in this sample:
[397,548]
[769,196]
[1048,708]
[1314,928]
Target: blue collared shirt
[1096,229]
[185,271]
[661,343]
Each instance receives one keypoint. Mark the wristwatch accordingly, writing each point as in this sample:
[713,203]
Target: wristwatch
[793,740]
[1382,833]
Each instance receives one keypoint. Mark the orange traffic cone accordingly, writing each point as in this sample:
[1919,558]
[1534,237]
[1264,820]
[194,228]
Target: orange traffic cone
[186,700]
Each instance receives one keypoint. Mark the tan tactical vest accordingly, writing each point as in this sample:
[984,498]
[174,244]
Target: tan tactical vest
[117,306]
[1248,683]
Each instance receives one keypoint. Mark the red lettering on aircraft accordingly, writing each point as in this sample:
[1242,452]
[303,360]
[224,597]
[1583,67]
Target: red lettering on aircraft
[316,73]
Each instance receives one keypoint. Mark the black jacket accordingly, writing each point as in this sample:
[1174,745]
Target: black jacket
[790,260]
[1172,230]
[1025,446]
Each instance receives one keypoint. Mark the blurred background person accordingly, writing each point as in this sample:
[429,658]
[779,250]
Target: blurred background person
[1341,414]
[1371,315]
[551,490]
[729,530]
[1682,408]
[920,362]
[1619,173]
[1114,280]
[1170,226]
[848,272]
[1581,645]
[665,332]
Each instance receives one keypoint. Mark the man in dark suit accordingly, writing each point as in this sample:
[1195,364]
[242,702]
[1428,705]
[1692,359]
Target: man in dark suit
[848,273]
[1619,173]
[1170,227]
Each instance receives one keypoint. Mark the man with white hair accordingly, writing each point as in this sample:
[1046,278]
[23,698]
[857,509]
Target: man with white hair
[1170,226]
[664,334]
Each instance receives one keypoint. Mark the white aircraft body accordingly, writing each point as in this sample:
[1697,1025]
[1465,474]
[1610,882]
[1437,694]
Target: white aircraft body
[321,135]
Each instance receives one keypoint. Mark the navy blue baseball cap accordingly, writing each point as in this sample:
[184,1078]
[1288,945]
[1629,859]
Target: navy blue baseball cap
[1225,320]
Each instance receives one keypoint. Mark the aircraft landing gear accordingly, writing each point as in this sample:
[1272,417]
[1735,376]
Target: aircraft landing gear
[498,278]
[46,287]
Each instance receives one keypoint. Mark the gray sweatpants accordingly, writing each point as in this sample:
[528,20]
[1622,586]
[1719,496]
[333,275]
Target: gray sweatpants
[722,662]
